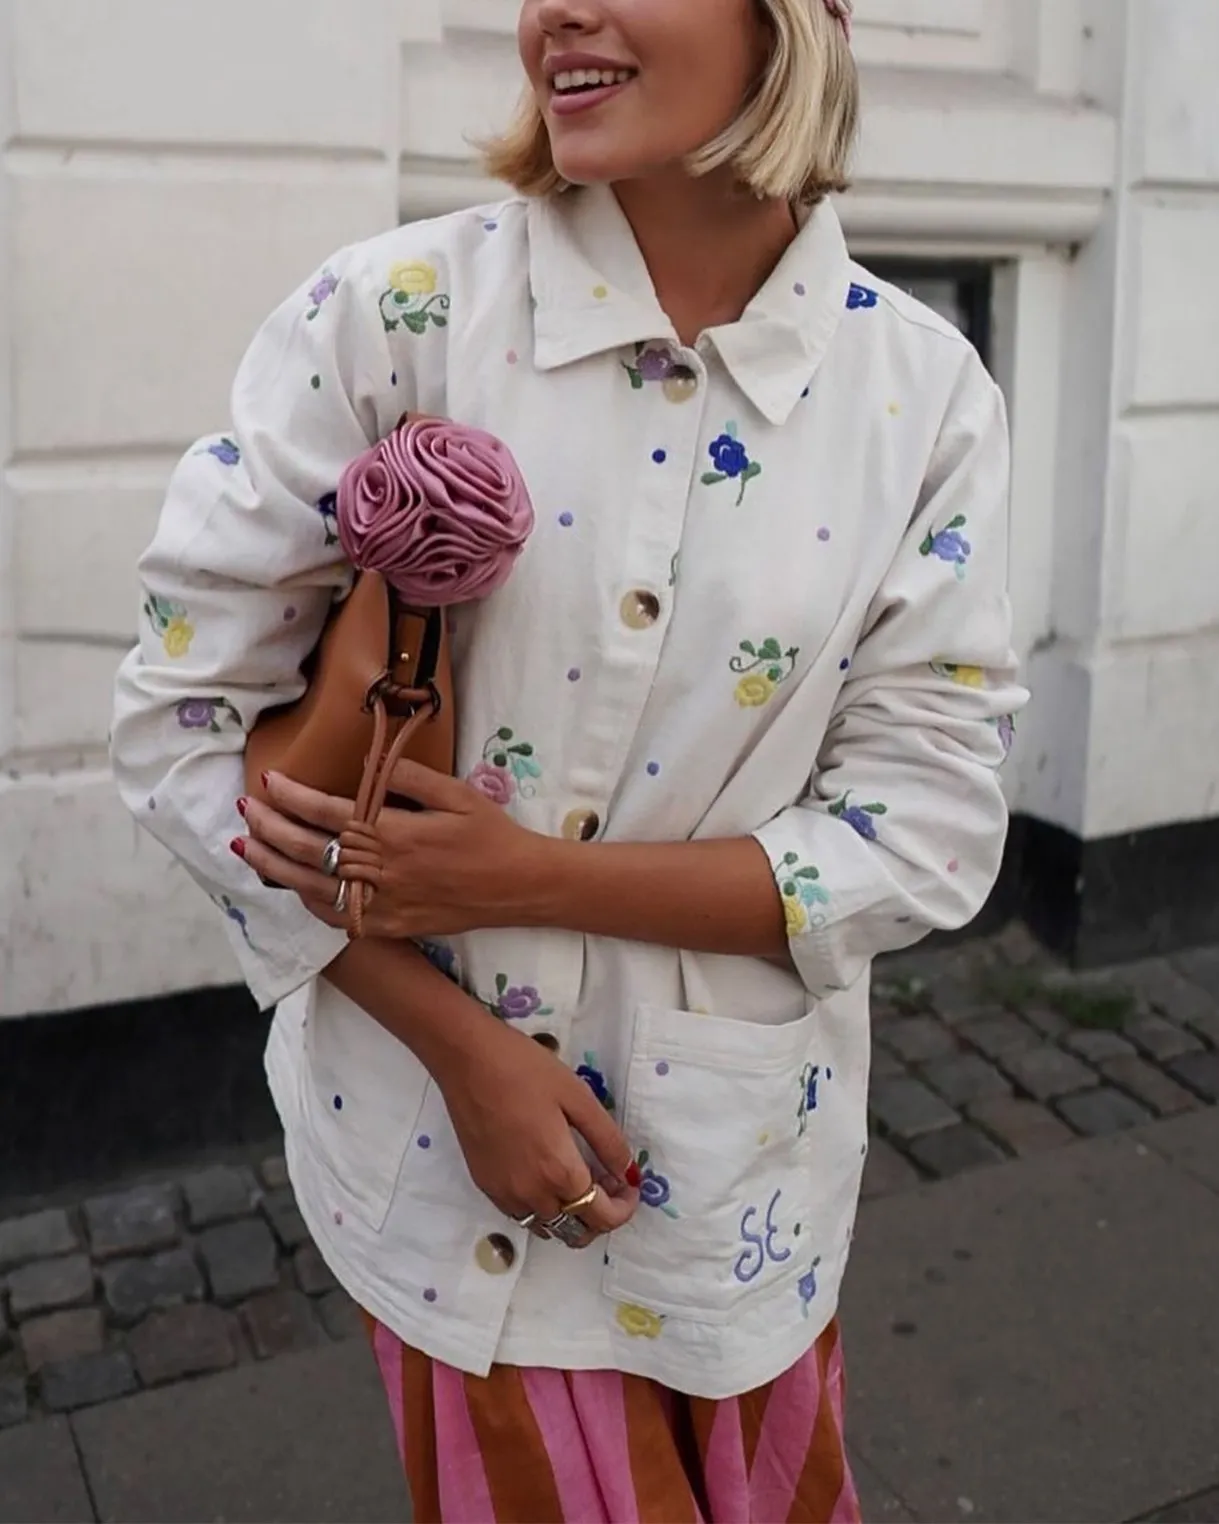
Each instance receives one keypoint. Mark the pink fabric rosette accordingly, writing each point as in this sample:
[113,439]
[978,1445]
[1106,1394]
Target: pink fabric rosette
[440,510]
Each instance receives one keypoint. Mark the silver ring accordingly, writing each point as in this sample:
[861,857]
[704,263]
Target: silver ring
[567,1229]
[340,899]
[527,1221]
[331,855]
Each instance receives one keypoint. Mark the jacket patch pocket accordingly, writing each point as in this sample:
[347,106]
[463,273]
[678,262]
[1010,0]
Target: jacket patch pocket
[362,1093]
[726,1119]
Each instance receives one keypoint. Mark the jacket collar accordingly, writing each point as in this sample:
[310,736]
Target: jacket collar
[592,293]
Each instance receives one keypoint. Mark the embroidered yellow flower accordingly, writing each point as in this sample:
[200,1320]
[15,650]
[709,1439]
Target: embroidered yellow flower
[754,690]
[638,1322]
[795,915]
[414,278]
[179,633]
[968,677]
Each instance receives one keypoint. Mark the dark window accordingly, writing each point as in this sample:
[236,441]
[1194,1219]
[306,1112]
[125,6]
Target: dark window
[961,291]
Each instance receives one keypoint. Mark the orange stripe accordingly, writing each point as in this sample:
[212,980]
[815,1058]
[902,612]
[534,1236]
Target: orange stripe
[663,1493]
[753,1406]
[519,1474]
[820,1484]
[419,1409]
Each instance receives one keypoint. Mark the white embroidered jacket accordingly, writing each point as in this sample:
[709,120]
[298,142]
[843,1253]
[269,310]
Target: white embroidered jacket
[766,594]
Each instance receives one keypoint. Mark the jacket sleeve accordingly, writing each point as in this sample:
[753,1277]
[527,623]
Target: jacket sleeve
[237,585]
[903,826]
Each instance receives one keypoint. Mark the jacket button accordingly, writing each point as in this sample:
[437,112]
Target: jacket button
[640,610]
[548,1041]
[495,1254]
[581,825]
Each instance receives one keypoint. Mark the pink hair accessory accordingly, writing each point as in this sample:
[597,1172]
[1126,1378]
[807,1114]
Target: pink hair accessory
[841,11]
[440,510]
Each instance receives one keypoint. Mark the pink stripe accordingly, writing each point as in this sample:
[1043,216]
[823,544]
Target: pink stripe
[847,1510]
[783,1445]
[465,1494]
[600,1408]
[388,1350]
[575,1481]
[724,1471]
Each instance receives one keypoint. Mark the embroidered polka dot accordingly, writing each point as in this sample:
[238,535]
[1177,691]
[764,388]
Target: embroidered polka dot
[289,614]
[662,1068]
[660,456]
[653,769]
[800,288]
[954,866]
[490,227]
[567,520]
[424,1141]
[316,383]
[512,357]
[430,1294]
[601,292]
[393,379]
[574,675]
[338,1103]
[845,664]
[338,1219]
[823,535]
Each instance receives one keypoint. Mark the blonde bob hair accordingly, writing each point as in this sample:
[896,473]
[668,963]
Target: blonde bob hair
[792,140]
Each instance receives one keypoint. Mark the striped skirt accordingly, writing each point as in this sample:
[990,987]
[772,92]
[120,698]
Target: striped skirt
[535,1446]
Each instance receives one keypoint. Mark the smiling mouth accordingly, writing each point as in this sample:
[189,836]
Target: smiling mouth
[574,82]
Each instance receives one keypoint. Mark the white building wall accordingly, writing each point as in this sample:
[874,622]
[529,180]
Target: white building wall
[170,170]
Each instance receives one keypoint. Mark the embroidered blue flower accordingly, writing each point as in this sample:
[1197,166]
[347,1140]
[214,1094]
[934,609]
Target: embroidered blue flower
[860,817]
[442,958]
[807,1286]
[225,451]
[328,507]
[238,917]
[950,545]
[595,1080]
[655,1190]
[861,296]
[732,462]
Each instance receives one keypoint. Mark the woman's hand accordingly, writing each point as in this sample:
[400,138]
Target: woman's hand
[516,1110]
[460,864]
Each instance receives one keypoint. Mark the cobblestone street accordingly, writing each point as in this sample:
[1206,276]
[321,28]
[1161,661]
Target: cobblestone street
[982,1053]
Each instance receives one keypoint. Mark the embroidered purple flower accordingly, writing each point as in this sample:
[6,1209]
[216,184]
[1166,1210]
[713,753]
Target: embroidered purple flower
[328,507]
[655,1190]
[860,817]
[861,296]
[807,1286]
[206,714]
[949,544]
[595,1080]
[517,1002]
[1007,732]
[508,766]
[327,285]
[225,451]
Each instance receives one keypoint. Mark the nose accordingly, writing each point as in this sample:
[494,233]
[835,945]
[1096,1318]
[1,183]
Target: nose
[557,17]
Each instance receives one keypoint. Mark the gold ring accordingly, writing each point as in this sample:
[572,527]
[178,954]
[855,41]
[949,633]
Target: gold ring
[589,1196]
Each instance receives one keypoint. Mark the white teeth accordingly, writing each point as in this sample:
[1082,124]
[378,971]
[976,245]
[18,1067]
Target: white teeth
[587,79]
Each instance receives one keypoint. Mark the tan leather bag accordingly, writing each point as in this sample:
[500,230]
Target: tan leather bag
[380,689]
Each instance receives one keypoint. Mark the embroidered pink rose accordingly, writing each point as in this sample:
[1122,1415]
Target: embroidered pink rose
[497,783]
[440,510]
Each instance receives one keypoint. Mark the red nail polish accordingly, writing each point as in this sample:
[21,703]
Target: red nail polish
[634,1176]
[242,806]
[237,845]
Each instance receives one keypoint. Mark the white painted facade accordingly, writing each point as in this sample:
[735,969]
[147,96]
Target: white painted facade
[170,170]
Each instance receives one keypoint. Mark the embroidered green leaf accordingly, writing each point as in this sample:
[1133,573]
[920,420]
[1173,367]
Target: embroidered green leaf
[876,809]
[749,648]
[501,984]
[770,650]
[789,858]
[504,733]
[525,749]
[713,478]
[812,873]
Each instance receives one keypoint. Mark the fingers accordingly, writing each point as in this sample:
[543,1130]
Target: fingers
[285,836]
[325,811]
[595,1125]
[284,872]
[433,790]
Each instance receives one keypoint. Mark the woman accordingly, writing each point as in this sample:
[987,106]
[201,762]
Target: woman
[731,730]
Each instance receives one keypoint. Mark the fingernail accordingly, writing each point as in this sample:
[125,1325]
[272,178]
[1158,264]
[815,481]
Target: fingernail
[266,780]
[242,806]
[237,845]
[634,1177]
